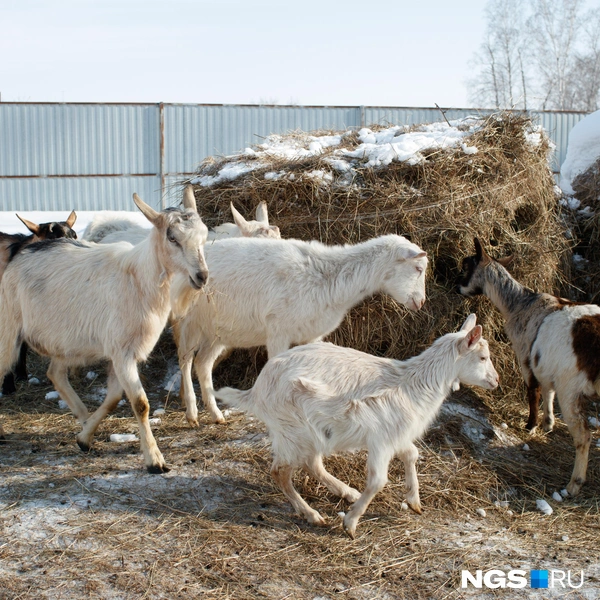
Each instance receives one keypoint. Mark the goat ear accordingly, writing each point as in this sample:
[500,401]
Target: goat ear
[480,253]
[470,339]
[150,214]
[469,323]
[71,219]
[189,200]
[506,261]
[409,254]
[35,229]
[261,213]
[238,219]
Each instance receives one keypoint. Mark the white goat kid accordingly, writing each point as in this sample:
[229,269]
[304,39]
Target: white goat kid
[79,303]
[277,293]
[320,399]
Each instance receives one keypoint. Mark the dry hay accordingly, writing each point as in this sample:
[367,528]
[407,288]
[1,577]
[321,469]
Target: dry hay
[584,223]
[503,194]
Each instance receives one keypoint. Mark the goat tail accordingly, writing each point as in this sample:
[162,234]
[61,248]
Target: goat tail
[235,398]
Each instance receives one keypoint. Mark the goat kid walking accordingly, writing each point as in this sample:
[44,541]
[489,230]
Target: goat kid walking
[557,343]
[79,303]
[320,399]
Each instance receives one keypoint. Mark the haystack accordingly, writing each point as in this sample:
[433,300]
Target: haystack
[582,213]
[486,178]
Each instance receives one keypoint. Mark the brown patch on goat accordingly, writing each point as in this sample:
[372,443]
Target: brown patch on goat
[141,407]
[586,345]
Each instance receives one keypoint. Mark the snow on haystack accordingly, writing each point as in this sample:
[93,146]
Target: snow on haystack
[583,150]
[345,151]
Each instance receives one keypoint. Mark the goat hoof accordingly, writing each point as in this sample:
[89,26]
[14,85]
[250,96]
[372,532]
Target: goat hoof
[350,530]
[157,469]
[531,427]
[83,446]
[416,507]
[574,486]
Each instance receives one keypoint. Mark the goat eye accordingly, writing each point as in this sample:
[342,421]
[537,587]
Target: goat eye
[419,269]
[171,238]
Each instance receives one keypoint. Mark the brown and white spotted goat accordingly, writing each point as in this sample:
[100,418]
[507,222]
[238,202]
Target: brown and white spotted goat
[557,343]
[10,244]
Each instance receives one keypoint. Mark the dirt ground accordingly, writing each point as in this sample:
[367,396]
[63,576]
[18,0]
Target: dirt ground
[96,525]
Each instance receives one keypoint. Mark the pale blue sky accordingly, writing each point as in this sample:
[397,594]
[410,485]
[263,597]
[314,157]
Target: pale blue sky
[334,53]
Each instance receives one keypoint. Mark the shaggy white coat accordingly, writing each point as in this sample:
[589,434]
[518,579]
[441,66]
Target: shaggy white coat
[321,399]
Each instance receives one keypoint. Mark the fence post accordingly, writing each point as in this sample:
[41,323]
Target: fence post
[161,121]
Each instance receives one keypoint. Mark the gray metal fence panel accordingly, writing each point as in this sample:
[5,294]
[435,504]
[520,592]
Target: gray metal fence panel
[79,193]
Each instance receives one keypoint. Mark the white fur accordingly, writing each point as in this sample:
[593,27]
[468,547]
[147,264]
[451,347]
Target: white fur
[79,303]
[320,399]
[284,292]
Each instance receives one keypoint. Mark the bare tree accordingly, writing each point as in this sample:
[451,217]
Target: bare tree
[539,54]
[501,77]
[584,79]
[554,26]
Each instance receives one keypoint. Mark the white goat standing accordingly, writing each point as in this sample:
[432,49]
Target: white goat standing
[284,292]
[79,303]
[108,227]
[320,399]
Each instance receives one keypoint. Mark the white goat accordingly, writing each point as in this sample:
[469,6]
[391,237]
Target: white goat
[79,303]
[284,292]
[320,399]
[108,227]
[557,343]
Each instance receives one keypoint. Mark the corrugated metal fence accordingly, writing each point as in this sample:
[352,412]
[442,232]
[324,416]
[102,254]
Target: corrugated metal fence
[94,156]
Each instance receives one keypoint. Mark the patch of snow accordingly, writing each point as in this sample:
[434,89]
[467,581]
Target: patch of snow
[52,396]
[468,149]
[481,512]
[158,412]
[593,422]
[543,506]
[526,447]
[34,381]
[564,493]
[155,421]
[62,404]
[123,437]
[582,151]
[503,426]
[404,506]
[91,375]
[556,496]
